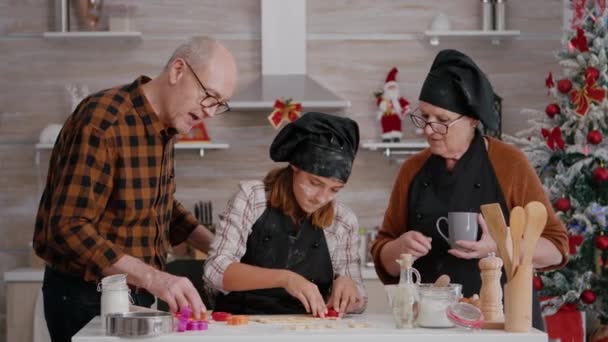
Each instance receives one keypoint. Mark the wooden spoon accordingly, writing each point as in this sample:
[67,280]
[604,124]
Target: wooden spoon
[517,222]
[536,218]
[495,220]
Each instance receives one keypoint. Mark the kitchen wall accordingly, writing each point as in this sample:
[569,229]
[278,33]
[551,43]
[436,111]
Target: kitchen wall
[351,46]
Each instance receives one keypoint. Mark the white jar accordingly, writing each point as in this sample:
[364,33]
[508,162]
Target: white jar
[114,296]
[433,305]
[500,9]
[486,15]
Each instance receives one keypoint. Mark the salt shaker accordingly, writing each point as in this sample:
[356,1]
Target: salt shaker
[486,15]
[490,295]
[114,295]
[499,15]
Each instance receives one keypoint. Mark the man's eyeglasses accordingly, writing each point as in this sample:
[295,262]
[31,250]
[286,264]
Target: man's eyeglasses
[437,127]
[210,101]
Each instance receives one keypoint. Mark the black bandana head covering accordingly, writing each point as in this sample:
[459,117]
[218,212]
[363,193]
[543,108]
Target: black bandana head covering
[322,144]
[457,84]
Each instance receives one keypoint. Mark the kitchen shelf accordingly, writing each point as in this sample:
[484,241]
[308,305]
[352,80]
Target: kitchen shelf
[92,34]
[405,147]
[494,36]
[183,145]
[201,146]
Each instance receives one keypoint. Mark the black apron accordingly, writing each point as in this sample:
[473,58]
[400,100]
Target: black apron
[434,192]
[276,242]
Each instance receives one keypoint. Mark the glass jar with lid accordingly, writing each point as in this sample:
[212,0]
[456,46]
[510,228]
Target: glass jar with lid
[434,301]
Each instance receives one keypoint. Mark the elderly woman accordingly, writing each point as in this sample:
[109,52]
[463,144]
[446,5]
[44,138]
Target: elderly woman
[460,171]
[284,245]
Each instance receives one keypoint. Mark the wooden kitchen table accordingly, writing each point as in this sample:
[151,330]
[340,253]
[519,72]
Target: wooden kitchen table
[380,329]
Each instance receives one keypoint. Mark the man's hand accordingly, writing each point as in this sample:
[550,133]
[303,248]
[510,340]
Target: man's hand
[306,292]
[177,292]
[344,297]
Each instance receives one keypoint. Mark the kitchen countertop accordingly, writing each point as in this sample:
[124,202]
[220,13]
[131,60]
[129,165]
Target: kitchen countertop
[380,328]
[26,275]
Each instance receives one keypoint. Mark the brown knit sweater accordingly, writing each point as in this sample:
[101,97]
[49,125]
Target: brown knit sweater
[517,179]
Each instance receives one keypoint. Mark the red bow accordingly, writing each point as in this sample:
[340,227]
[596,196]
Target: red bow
[601,6]
[554,137]
[580,41]
[284,111]
[549,82]
[578,12]
[573,242]
[589,93]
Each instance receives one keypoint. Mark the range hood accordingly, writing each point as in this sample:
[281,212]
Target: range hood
[284,63]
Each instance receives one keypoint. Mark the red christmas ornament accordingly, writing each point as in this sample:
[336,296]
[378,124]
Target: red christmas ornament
[563,204]
[588,297]
[594,137]
[600,175]
[601,242]
[552,110]
[592,74]
[537,283]
[564,86]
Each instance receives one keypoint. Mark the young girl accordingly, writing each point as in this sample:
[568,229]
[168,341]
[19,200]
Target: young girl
[283,245]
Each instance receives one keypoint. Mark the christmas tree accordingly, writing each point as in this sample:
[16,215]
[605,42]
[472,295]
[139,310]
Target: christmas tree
[567,146]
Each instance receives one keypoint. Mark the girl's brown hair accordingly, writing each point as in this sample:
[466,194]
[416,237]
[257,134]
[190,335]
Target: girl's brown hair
[279,185]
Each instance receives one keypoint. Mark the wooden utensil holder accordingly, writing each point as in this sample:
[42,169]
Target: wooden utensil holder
[518,300]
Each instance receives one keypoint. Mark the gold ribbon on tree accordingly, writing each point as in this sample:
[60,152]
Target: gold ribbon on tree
[590,92]
[287,110]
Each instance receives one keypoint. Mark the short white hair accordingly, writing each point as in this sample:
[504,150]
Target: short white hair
[197,51]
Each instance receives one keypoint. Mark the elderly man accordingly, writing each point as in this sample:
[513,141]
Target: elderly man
[108,204]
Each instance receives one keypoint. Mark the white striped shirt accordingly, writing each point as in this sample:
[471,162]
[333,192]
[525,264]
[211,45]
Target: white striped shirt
[246,206]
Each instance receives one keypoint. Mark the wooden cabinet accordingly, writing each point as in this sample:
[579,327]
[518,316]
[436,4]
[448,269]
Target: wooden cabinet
[23,289]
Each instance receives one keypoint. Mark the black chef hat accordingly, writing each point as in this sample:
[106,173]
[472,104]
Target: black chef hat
[457,84]
[322,144]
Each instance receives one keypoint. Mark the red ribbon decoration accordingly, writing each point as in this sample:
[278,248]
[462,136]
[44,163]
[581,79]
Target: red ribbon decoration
[573,242]
[549,83]
[578,12]
[601,7]
[580,41]
[583,96]
[554,137]
[286,110]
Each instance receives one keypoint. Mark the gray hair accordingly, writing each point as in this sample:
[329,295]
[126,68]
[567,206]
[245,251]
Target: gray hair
[197,51]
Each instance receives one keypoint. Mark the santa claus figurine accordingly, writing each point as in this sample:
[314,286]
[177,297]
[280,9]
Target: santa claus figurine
[391,108]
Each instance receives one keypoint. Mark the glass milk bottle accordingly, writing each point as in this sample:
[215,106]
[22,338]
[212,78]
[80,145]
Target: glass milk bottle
[114,295]
[405,302]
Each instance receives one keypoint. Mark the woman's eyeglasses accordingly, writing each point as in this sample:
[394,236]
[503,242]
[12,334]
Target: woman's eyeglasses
[437,127]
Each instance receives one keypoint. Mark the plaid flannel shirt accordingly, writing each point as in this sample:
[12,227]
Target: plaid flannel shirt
[246,206]
[110,187]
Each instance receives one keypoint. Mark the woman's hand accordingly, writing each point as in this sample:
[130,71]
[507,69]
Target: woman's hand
[307,293]
[414,243]
[476,249]
[344,297]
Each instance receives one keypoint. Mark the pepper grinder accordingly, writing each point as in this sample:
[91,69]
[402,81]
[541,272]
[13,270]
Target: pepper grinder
[490,295]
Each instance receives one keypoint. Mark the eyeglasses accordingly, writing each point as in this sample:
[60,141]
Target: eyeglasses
[210,101]
[437,127]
